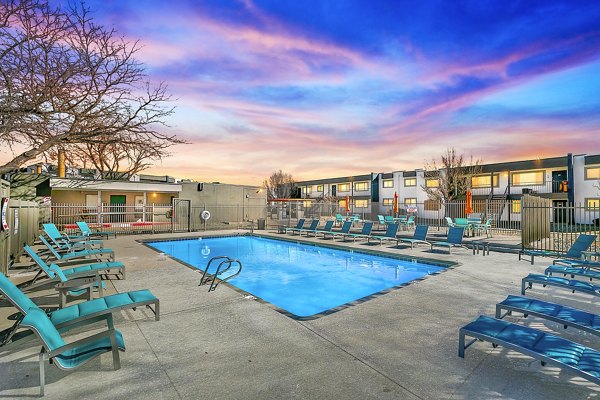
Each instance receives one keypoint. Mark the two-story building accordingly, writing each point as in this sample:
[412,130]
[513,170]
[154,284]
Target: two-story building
[570,179]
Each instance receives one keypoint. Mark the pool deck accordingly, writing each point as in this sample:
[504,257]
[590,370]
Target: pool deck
[222,345]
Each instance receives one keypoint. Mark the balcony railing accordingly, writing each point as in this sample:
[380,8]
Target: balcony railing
[545,188]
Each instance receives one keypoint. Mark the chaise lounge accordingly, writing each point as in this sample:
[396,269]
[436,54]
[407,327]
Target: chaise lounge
[87,231]
[563,315]
[73,255]
[83,312]
[72,355]
[581,244]
[419,237]
[573,285]
[578,359]
[390,234]
[454,239]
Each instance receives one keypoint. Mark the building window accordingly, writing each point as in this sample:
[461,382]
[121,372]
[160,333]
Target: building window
[388,202]
[388,183]
[343,187]
[320,188]
[483,181]
[342,203]
[361,186]
[432,183]
[592,173]
[528,178]
[361,203]
[410,201]
[593,203]
[515,206]
[432,205]
[306,189]
[408,182]
[307,204]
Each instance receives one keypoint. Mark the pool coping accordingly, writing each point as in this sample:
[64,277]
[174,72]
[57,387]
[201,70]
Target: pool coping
[446,265]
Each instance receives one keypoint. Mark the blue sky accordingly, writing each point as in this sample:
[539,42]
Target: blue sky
[333,88]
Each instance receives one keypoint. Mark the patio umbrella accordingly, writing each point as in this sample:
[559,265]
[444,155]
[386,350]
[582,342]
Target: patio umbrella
[469,203]
[347,204]
[395,203]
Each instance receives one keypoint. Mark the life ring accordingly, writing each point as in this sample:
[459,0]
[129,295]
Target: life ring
[205,215]
[169,214]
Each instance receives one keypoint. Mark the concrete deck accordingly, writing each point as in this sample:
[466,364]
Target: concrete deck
[221,345]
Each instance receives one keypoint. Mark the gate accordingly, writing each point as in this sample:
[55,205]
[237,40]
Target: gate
[180,217]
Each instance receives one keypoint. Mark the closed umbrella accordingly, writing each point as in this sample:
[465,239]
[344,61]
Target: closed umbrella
[396,203]
[347,204]
[469,203]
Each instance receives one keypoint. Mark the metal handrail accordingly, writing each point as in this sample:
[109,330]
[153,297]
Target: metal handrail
[228,263]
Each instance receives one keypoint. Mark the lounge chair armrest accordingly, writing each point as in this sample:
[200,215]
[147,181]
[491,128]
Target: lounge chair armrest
[100,335]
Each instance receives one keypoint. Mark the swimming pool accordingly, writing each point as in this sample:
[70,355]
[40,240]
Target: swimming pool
[303,281]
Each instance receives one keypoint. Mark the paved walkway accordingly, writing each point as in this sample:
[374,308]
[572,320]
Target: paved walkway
[222,345]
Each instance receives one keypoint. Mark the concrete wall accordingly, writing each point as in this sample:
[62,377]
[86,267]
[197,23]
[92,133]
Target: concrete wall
[226,203]
[223,194]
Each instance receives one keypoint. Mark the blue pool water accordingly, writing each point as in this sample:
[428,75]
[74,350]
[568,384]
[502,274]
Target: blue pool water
[300,279]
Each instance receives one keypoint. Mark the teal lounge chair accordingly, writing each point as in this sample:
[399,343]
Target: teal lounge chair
[573,285]
[311,229]
[87,231]
[389,220]
[381,220]
[390,234]
[81,313]
[345,229]
[455,237]
[339,219]
[69,243]
[582,243]
[75,354]
[578,359]
[81,254]
[450,222]
[105,267]
[299,225]
[419,237]
[563,315]
[365,233]
[326,229]
[573,271]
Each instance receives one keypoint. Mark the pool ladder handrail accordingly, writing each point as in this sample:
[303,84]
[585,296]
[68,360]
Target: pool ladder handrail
[223,267]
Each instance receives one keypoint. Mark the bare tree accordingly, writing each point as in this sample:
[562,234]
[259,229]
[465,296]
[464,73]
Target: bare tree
[68,83]
[454,176]
[280,185]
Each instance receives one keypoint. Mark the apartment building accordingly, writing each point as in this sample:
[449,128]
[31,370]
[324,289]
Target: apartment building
[564,180]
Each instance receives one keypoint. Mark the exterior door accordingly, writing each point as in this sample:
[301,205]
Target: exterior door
[117,207]
[559,178]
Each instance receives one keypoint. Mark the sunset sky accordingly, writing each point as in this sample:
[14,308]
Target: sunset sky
[331,88]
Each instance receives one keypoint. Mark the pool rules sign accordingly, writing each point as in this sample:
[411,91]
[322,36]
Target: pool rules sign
[4,206]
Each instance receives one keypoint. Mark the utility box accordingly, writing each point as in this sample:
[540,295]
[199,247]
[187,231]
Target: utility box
[261,225]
